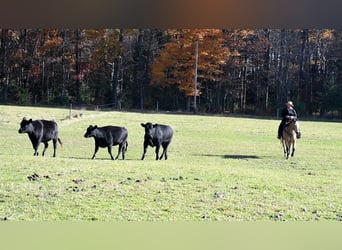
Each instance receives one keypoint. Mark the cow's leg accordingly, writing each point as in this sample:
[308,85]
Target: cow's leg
[122,150]
[35,151]
[46,145]
[157,151]
[35,146]
[165,146]
[162,155]
[54,141]
[144,151]
[119,151]
[110,152]
[165,153]
[96,149]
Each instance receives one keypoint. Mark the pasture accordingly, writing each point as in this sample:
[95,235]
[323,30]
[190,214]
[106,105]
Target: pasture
[219,169]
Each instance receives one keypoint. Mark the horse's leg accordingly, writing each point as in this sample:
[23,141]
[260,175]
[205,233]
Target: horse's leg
[287,153]
[287,149]
[298,134]
[293,147]
[284,146]
[293,150]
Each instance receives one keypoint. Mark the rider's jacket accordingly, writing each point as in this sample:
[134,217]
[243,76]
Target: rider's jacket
[288,112]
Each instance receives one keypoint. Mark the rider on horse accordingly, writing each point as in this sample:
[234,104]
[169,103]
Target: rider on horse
[288,114]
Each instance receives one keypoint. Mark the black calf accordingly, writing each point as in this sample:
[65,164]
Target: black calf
[108,136]
[157,135]
[41,131]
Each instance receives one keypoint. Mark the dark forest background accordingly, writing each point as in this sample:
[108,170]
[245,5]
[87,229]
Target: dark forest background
[251,71]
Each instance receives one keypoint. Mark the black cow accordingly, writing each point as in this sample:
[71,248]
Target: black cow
[41,131]
[156,135]
[109,136]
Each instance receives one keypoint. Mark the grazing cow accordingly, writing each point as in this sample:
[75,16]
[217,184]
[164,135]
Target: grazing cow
[109,136]
[41,131]
[156,135]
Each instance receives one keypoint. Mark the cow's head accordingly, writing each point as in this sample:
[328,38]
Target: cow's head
[149,129]
[25,126]
[90,131]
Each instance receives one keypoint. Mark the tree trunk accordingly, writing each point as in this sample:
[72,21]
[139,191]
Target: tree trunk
[116,74]
[138,68]
[267,68]
[243,85]
[64,78]
[4,72]
[77,66]
[115,79]
[282,88]
[302,61]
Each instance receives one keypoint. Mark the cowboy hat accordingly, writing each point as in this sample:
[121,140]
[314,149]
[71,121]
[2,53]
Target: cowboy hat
[290,103]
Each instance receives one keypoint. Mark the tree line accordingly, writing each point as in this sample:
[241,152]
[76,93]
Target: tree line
[251,71]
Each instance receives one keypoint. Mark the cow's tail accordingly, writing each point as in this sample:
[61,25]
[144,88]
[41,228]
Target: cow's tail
[60,142]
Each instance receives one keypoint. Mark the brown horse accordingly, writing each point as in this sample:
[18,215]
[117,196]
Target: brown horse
[289,137]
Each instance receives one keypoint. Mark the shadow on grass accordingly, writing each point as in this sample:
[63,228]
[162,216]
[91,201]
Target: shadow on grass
[242,157]
[96,159]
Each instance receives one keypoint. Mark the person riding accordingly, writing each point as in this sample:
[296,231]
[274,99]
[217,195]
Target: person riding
[288,113]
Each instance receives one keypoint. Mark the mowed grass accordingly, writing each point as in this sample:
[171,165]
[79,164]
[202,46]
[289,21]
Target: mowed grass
[219,169]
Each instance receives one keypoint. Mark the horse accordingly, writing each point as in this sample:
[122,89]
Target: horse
[289,137]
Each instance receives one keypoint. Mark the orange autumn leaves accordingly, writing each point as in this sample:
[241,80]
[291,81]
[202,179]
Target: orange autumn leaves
[175,62]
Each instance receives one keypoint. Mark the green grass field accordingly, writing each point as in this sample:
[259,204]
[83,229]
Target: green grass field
[219,169]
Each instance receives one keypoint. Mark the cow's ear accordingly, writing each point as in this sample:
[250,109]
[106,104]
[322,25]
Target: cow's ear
[95,126]
[143,125]
[30,120]
[155,125]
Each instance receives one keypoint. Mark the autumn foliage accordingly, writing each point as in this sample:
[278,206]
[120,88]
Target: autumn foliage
[175,63]
[251,71]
